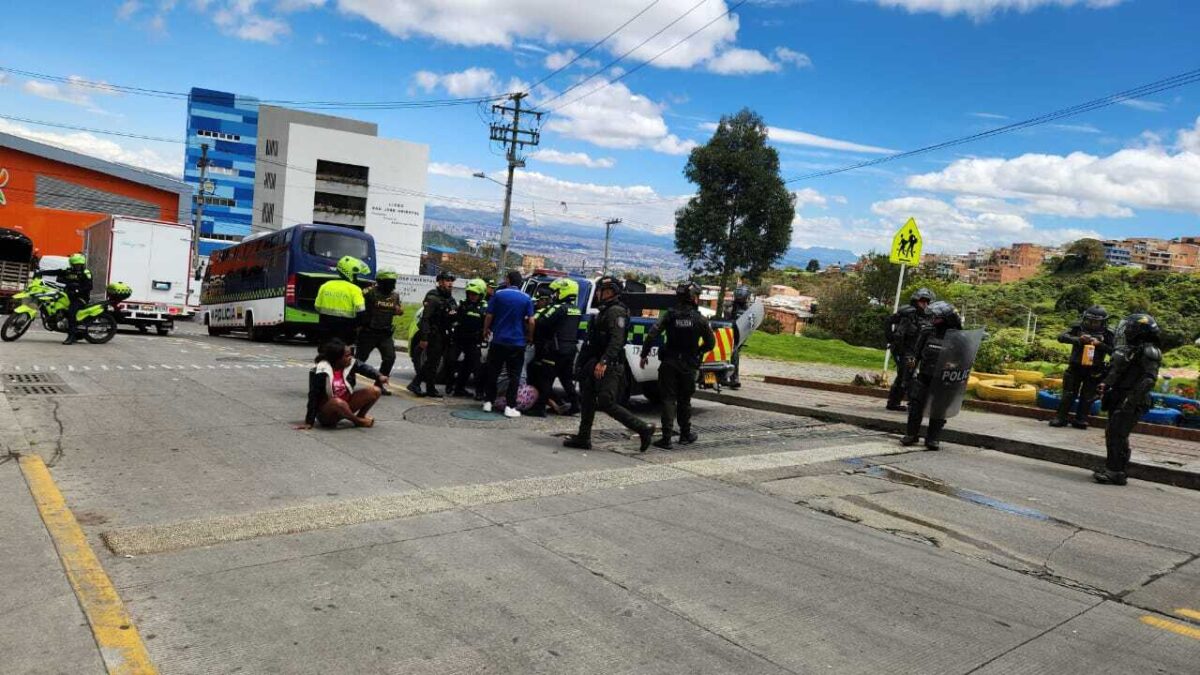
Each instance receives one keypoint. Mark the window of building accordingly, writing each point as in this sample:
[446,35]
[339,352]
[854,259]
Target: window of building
[340,204]
[272,148]
[221,237]
[222,170]
[219,135]
[268,212]
[342,173]
[269,180]
[219,201]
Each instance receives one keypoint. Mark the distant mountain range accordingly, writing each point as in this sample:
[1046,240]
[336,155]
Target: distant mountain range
[796,257]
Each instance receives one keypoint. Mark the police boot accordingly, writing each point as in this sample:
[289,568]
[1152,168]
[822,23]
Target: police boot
[665,441]
[687,437]
[934,433]
[1079,423]
[432,392]
[384,391]
[1109,477]
[1058,422]
[415,389]
[71,339]
[577,442]
[646,436]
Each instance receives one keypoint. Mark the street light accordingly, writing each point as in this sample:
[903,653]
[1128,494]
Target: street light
[480,174]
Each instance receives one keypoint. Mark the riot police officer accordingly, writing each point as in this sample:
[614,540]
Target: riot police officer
[556,336]
[942,317]
[1091,342]
[340,303]
[437,321]
[741,303]
[466,339]
[1126,390]
[902,330]
[378,329]
[688,338]
[77,284]
[601,366]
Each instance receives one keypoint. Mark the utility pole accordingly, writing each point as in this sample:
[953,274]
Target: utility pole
[203,164]
[514,139]
[608,226]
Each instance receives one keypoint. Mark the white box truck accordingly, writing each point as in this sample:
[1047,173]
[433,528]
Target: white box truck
[154,257]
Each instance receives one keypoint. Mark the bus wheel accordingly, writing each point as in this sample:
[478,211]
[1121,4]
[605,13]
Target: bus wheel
[255,333]
[215,332]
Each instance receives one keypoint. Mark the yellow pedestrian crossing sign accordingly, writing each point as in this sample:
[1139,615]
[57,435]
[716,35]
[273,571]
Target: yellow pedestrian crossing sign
[906,245]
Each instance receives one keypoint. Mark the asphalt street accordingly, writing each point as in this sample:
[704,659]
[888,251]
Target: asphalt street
[443,541]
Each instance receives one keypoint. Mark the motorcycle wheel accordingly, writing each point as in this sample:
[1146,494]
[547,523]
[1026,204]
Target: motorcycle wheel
[15,326]
[100,329]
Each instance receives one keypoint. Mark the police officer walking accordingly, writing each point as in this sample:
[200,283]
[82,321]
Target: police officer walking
[340,303]
[1126,390]
[378,329]
[602,368]
[687,338]
[1091,342]
[902,331]
[741,302]
[437,321]
[942,317]
[555,336]
[77,284]
[466,339]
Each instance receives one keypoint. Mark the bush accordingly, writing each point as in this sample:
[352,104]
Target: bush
[771,326]
[1053,351]
[1075,298]
[1183,357]
[997,351]
[815,332]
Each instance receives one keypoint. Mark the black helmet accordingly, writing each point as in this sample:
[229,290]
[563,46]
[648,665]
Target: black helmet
[1138,328]
[921,294]
[446,276]
[943,313]
[689,291]
[610,282]
[1094,318]
[741,293]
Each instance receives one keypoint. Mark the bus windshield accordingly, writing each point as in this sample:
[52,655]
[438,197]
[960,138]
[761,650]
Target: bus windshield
[334,245]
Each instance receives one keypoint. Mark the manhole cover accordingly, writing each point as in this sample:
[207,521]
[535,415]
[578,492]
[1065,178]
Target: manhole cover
[37,389]
[31,378]
[477,415]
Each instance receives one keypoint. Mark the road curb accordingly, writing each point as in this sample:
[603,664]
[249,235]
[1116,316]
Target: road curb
[1047,453]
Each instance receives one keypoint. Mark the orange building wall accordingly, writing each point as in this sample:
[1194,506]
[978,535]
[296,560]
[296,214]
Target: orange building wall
[56,232]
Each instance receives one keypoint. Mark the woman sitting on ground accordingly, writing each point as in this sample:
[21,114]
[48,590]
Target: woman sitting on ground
[331,393]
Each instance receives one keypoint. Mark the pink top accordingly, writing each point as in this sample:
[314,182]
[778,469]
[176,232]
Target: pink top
[340,388]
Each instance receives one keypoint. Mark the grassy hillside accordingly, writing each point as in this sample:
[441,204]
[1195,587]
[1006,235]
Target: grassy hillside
[800,348]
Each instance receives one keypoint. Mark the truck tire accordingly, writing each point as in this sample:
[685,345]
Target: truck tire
[162,329]
[1027,377]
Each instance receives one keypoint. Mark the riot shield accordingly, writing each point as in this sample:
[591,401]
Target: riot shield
[949,381]
[749,321]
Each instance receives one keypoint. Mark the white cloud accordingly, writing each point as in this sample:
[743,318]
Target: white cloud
[466,83]
[1077,128]
[737,61]
[785,55]
[298,5]
[170,163]
[557,60]
[507,23]
[615,117]
[76,91]
[793,137]
[1082,185]
[1139,104]
[4,79]
[981,9]
[127,9]
[945,227]
[452,170]
[812,197]
[573,159]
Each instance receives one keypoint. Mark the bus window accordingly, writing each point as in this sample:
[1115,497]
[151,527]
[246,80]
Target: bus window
[333,246]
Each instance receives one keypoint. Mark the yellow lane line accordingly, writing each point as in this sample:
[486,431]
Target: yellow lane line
[120,644]
[1189,613]
[1179,628]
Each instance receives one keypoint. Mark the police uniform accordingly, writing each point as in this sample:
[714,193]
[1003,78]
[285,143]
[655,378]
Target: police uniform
[1085,371]
[555,338]
[903,330]
[1127,391]
[687,337]
[340,304]
[928,350]
[605,343]
[437,321]
[464,343]
[737,309]
[77,284]
[378,330]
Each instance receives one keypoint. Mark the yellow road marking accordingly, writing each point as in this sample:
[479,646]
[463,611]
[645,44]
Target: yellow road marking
[1181,629]
[120,644]
[1189,613]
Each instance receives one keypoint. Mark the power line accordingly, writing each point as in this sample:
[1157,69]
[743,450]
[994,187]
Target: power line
[596,44]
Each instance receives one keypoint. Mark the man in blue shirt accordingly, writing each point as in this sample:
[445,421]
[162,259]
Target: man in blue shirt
[509,326]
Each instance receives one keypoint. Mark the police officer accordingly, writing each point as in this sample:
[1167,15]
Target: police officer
[688,338]
[378,329]
[466,339]
[437,321]
[942,317]
[1126,390]
[902,330]
[77,284]
[340,303]
[1091,342]
[741,302]
[602,368]
[556,337]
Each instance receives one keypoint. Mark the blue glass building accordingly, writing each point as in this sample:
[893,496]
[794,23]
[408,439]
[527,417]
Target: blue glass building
[228,124]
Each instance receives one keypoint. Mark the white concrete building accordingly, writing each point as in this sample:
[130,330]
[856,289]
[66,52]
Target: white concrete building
[314,168]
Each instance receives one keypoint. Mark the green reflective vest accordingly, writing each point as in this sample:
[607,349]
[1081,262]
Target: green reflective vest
[340,298]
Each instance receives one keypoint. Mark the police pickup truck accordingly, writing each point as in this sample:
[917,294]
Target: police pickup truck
[715,367]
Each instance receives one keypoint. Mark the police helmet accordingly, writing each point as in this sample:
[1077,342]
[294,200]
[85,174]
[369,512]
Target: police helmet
[741,293]
[1138,328]
[565,288]
[1094,318]
[386,274]
[477,286]
[943,313]
[351,267]
[689,291]
[77,260]
[922,294]
[446,276]
[610,282]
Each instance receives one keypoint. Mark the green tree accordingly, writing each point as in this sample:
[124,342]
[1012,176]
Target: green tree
[814,265]
[1084,255]
[879,278]
[740,220]
[1075,298]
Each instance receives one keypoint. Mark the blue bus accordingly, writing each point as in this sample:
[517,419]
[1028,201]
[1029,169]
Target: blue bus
[266,285]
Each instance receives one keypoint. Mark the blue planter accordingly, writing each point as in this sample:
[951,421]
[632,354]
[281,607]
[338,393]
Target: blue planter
[1167,416]
[1049,400]
[1173,401]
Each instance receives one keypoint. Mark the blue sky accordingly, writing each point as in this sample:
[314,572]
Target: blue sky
[838,81]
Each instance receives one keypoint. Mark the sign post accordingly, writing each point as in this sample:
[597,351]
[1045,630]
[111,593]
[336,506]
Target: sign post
[906,251]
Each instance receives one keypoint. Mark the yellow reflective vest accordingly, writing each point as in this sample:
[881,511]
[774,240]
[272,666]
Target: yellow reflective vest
[340,298]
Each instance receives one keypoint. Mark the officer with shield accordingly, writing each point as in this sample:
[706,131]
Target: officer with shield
[1125,393]
[902,331]
[741,303]
[944,356]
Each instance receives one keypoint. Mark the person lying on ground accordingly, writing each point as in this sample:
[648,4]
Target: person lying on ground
[332,396]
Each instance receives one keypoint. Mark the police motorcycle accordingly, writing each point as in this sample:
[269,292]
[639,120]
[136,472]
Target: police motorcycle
[47,300]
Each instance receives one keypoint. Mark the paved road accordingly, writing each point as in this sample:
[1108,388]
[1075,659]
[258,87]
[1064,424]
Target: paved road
[435,543]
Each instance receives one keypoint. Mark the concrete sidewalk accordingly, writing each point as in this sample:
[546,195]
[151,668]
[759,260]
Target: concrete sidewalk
[1161,460]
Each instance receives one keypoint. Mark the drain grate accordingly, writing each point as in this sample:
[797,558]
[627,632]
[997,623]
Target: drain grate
[36,389]
[31,378]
